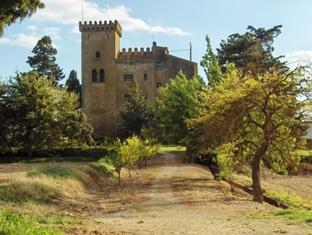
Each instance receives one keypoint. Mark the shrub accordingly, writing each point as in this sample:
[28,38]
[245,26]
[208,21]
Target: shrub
[105,166]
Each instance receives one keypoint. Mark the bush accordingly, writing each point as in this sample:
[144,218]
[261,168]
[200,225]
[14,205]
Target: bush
[105,166]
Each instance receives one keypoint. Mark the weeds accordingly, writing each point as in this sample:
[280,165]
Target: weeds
[54,171]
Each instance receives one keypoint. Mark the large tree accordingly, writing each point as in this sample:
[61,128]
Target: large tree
[177,102]
[136,115]
[41,116]
[251,52]
[259,116]
[13,10]
[44,60]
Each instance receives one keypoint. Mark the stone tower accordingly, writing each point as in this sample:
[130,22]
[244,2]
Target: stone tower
[108,73]
[100,47]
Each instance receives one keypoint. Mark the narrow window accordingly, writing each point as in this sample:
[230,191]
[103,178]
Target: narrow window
[94,75]
[102,75]
[158,84]
[145,76]
[128,77]
[98,55]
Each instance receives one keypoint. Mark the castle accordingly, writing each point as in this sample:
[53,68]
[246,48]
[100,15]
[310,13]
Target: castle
[108,72]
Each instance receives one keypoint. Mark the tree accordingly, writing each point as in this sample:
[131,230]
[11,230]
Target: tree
[259,116]
[45,116]
[210,64]
[72,82]
[177,102]
[13,10]
[44,61]
[252,52]
[136,115]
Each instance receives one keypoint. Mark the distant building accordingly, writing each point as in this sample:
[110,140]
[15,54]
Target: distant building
[108,72]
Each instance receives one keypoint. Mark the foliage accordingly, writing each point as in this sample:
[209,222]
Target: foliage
[13,10]
[251,52]
[128,154]
[226,160]
[40,116]
[44,61]
[53,171]
[178,101]
[260,115]
[13,223]
[210,64]
[21,192]
[72,83]
[136,115]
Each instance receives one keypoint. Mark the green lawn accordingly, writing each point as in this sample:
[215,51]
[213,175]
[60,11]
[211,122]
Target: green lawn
[172,148]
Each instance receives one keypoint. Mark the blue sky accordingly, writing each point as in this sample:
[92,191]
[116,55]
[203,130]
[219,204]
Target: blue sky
[172,23]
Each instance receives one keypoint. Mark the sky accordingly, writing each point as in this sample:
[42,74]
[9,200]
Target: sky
[171,23]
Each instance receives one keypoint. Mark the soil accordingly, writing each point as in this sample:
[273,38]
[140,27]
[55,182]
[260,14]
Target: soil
[167,197]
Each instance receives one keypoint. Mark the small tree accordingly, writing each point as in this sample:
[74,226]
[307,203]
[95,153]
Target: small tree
[210,64]
[136,115]
[13,10]
[177,102]
[259,116]
[72,82]
[44,61]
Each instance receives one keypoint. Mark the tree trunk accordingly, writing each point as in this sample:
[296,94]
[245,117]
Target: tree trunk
[119,177]
[255,167]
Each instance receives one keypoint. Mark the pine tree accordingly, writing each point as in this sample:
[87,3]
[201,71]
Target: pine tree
[72,82]
[44,61]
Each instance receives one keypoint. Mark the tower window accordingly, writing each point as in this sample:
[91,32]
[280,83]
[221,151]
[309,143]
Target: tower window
[128,77]
[145,76]
[98,55]
[102,75]
[94,75]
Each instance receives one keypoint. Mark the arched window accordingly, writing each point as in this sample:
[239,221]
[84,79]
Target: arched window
[98,55]
[102,75]
[94,75]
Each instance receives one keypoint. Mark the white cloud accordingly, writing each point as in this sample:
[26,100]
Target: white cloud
[32,28]
[296,58]
[53,33]
[69,12]
[23,40]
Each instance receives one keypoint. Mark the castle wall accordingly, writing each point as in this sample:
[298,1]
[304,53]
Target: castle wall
[103,100]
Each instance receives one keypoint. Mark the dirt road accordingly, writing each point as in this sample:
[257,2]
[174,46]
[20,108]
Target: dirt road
[184,199]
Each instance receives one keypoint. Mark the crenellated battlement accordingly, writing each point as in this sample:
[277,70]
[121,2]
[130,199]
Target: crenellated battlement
[138,55]
[100,26]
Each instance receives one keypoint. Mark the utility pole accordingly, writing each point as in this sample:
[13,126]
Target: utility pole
[190,51]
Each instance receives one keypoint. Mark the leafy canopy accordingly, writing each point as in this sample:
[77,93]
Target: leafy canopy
[177,102]
[13,10]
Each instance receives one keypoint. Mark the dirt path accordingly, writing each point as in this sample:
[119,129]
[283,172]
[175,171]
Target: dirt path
[184,199]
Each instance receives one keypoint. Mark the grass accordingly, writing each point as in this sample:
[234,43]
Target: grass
[104,167]
[289,199]
[172,149]
[14,223]
[21,192]
[295,215]
[53,171]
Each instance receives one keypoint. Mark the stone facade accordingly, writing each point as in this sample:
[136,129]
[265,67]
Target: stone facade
[108,72]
